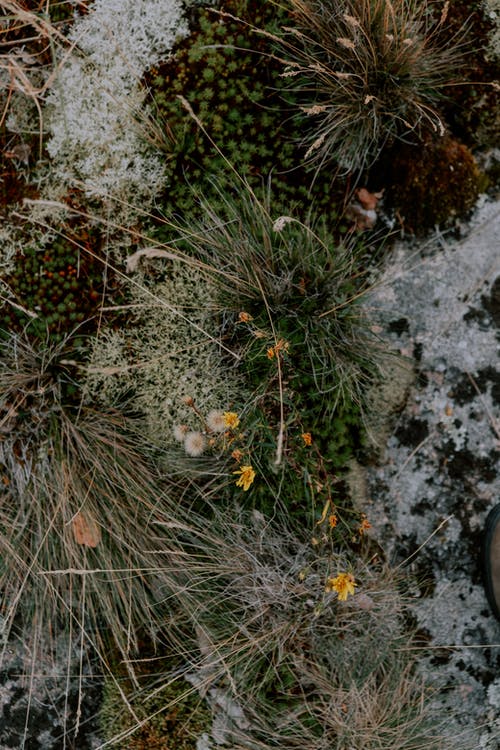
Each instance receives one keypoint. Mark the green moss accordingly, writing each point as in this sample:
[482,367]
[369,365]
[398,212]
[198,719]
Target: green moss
[55,286]
[178,715]
[63,11]
[225,71]
[432,184]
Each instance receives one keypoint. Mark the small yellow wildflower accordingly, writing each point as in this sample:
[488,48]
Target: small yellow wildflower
[244,317]
[343,584]
[281,345]
[231,419]
[332,520]
[247,475]
[237,455]
[307,438]
[365,524]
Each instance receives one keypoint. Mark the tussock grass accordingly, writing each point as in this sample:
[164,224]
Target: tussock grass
[293,666]
[81,503]
[366,72]
[296,283]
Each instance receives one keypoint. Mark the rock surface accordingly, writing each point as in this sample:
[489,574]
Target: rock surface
[48,698]
[439,304]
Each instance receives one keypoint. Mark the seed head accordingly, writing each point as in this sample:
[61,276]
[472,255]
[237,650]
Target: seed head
[180,431]
[194,443]
[216,421]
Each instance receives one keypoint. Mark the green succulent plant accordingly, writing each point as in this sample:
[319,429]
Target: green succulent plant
[53,289]
[226,73]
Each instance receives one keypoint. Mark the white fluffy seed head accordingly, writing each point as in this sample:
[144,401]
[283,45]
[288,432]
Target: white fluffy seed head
[180,431]
[194,443]
[215,421]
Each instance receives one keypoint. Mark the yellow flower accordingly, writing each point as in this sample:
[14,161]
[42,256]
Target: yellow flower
[281,346]
[332,520]
[231,419]
[244,317]
[307,438]
[237,454]
[365,524]
[247,475]
[343,584]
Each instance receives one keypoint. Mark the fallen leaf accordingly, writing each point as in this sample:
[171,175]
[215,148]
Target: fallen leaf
[85,530]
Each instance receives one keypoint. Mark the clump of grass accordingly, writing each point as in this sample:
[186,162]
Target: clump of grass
[471,106]
[365,73]
[31,36]
[79,537]
[300,663]
[288,295]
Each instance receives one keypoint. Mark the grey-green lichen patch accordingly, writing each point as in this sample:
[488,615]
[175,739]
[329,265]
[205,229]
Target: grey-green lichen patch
[386,399]
[492,11]
[168,351]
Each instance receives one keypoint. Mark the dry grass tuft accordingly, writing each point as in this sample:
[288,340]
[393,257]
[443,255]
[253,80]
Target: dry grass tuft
[80,540]
[30,40]
[366,72]
[281,660]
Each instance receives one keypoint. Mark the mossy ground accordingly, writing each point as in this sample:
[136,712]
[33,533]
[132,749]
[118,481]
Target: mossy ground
[178,715]
[431,184]
[226,74]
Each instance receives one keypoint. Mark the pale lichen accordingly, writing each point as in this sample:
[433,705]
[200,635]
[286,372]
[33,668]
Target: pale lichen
[171,350]
[96,114]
